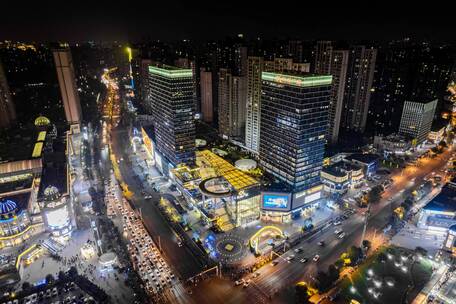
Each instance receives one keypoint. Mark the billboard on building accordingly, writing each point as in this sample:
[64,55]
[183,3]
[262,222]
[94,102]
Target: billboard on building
[279,201]
[306,197]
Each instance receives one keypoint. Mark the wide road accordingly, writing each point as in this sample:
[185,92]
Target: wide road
[180,258]
[277,282]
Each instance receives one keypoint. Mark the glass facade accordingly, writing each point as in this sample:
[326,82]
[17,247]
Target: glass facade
[294,121]
[172,103]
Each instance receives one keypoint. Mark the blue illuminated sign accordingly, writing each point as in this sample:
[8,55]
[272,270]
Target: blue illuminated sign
[276,201]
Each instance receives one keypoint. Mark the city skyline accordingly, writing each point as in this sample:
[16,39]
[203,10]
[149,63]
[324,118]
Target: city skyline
[227,153]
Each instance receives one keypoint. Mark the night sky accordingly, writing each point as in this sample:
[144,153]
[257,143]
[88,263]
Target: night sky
[171,20]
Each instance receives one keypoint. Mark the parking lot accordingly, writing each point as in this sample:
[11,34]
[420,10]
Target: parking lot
[65,294]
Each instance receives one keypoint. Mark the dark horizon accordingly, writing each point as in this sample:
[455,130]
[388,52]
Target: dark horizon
[356,20]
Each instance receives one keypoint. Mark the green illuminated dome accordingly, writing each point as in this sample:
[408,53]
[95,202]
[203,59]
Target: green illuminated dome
[42,121]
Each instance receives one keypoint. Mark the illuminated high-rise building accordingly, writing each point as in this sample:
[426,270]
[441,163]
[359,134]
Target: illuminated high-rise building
[323,55]
[171,99]
[296,50]
[7,111]
[333,62]
[67,83]
[253,114]
[416,120]
[294,121]
[338,69]
[358,85]
[207,106]
[232,97]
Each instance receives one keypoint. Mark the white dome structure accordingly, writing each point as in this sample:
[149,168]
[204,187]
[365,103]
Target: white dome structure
[245,164]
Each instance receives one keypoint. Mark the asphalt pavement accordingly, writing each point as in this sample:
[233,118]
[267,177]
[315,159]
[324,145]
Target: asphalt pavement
[180,258]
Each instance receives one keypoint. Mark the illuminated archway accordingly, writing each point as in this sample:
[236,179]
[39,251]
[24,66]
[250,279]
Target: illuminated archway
[255,238]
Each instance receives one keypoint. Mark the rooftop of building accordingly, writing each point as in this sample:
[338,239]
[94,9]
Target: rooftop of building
[365,158]
[340,168]
[150,131]
[14,202]
[445,201]
[396,137]
[54,168]
[17,144]
[23,181]
[438,124]
[212,165]
[297,79]
[170,71]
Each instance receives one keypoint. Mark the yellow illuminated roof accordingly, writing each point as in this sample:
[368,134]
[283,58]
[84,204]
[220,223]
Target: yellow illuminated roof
[212,165]
[41,136]
[37,149]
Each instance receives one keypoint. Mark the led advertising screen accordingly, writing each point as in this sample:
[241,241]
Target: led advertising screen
[58,218]
[276,201]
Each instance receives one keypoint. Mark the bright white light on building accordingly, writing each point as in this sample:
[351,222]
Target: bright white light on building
[58,218]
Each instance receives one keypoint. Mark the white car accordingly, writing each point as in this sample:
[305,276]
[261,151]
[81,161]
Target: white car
[239,282]
[291,257]
[342,235]
[337,223]
[337,231]
[246,283]
[316,258]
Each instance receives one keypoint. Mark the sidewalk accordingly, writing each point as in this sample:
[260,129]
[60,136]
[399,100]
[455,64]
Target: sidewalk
[428,288]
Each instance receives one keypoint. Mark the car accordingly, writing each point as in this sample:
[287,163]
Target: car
[342,235]
[338,231]
[336,223]
[303,260]
[256,274]
[274,263]
[298,250]
[321,243]
[289,258]
[316,258]
[246,283]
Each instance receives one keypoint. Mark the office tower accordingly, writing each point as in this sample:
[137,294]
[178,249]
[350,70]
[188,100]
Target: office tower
[7,111]
[295,50]
[142,84]
[252,124]
[360,75]
[279,65]
[232,97]
[172,103]
[240,60]
[207,107]
[225,83]
[333,62]
[338,70]
[323,54]
[294,121]
[406,70]
[416,120]
[67,83]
